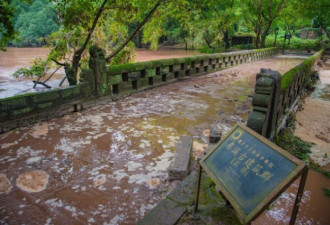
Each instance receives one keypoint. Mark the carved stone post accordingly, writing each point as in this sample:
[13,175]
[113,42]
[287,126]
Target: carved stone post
[265,103]
[97,64]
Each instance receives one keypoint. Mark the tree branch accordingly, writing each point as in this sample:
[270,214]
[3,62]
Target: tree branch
[113,54]
[80,51]
[58,63]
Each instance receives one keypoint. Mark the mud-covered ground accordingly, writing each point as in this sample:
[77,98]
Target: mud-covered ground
[108,164]
[314,120]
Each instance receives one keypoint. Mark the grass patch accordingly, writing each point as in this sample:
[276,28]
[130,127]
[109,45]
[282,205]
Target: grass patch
[319,169]
[288,141]
[326,192]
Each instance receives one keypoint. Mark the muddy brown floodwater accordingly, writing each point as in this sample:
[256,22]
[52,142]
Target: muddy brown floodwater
[108,164]
[15,58]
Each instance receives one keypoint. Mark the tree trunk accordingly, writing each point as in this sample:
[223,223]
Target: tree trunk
[257,38]
[325,30]
[226,39]
[264,35]
[78,54]
[72,71]
[208,42]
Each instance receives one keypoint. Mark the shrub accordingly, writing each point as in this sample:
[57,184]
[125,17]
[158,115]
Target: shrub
[295,43]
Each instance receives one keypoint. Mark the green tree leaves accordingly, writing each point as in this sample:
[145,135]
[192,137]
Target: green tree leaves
[7,31]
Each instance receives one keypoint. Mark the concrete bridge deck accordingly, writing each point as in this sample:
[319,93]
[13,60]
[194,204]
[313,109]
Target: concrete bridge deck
[108,164]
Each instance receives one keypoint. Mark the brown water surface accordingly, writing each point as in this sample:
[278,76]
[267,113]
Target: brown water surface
[108,164]
[15,58]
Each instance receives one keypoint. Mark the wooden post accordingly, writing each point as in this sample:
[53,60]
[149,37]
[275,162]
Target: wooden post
[198,185]
[299,195]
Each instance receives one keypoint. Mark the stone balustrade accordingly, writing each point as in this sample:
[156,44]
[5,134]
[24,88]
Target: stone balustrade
[106,83]
[275,93]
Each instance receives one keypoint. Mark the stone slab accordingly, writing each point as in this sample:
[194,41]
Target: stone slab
[182,156]
[184,193]
[167,212]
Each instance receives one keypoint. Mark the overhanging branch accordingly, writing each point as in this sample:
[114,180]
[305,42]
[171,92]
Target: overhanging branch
[113,54]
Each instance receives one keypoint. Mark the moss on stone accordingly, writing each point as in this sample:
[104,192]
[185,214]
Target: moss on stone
[46,96]
[22,111]
[142,65]
[167,62]
[156,63]
[115,79]
[9,103]
[118,69]
[45,105]
[304,67]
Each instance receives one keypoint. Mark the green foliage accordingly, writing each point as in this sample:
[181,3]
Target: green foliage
[39,69]
[294,145]
[34,22]
[326,192]
[318,168]
[296,43]
[303,68]
[7,31]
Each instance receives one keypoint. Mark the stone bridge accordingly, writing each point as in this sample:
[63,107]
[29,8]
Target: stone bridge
[109,163]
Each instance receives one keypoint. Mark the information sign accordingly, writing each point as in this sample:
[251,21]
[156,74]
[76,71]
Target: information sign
[250,170]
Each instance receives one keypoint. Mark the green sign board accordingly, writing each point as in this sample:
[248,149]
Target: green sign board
[250,170]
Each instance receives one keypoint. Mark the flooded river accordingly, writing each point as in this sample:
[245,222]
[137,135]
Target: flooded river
[15,58]
[108,164]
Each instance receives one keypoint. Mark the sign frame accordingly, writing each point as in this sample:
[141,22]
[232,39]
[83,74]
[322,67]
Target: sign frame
[300,170]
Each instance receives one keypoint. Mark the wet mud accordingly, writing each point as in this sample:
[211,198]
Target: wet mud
[314,208]
[108,164]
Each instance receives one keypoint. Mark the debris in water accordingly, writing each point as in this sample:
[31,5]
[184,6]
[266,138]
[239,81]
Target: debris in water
[152,183]
[100,181]
[33,181]
[5,186]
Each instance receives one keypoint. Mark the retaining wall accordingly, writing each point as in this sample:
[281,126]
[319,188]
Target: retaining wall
[275,93]
[112,82]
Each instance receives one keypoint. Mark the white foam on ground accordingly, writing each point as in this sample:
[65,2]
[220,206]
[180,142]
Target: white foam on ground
[133,166]
[54,203]
[116,220]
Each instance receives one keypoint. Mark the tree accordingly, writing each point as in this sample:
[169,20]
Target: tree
[260,14]
[34,22]
[215,21]
[7,31]
[98,22]
[318,13]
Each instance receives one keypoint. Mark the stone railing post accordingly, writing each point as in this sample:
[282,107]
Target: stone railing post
[97,64]
[265,103]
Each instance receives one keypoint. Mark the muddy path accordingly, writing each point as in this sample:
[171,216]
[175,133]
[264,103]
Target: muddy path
[314,120]
[108,164]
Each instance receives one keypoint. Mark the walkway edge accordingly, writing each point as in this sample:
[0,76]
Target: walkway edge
[170,209]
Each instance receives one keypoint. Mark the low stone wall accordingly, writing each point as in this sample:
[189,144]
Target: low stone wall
[112,82]
[275,93]
[125,79]
[22,110]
